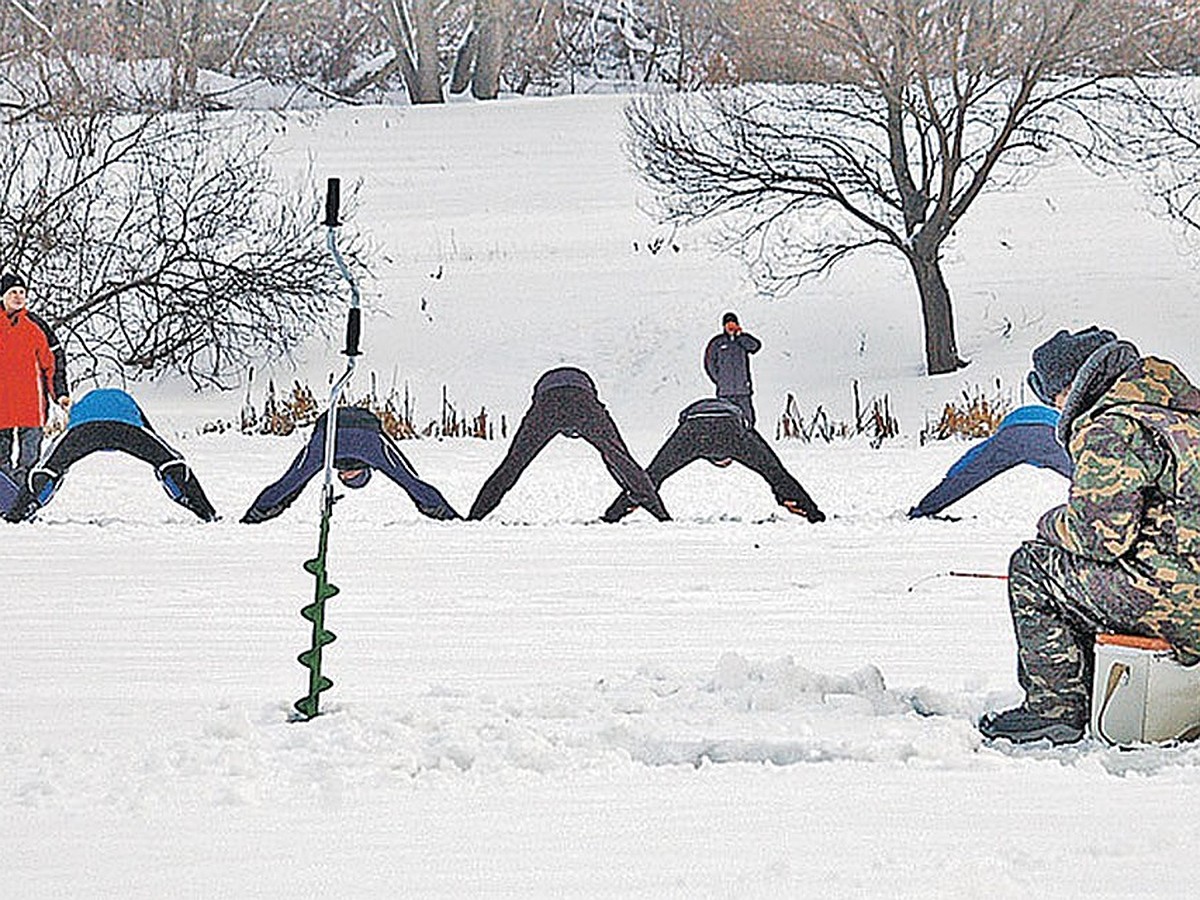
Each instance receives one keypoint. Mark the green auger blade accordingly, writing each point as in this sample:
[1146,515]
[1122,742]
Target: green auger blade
[309,706]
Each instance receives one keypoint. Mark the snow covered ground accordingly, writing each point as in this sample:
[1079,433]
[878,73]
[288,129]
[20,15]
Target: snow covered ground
[543,705]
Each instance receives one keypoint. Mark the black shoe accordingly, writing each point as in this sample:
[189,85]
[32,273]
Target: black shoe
[253,515]
[618,511]
[1021,725]
[23,508]
[441,511]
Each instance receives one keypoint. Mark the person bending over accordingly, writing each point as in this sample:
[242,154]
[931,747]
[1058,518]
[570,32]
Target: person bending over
[565,402]
[109,419]
[360,447]
[1025,435]
[717,430]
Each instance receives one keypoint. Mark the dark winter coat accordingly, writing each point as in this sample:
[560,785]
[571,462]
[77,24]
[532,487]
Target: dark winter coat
[727,363]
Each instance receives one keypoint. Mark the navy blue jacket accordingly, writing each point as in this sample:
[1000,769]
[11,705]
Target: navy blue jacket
[360,443]
[727,363]
[1026,435]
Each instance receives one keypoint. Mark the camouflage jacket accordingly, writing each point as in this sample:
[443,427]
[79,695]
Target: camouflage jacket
[1135,495]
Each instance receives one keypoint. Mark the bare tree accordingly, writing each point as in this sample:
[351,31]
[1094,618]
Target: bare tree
[413,29]
[923,105]
[163,244]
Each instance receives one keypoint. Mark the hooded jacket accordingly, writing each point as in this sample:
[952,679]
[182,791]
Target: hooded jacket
[1135,494]
[26,369]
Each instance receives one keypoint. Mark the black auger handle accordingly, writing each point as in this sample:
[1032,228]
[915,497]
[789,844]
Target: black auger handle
[333,200]
[353,332]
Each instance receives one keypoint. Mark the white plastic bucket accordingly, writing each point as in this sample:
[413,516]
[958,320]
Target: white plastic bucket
[1140,694]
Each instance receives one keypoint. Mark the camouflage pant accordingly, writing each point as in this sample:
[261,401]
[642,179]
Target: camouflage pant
[1059,602]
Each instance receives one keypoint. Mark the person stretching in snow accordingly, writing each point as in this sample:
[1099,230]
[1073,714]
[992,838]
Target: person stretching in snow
[102,420]
[565,402]
[717,430]
[360,446]
[1025,435]
[1123,554]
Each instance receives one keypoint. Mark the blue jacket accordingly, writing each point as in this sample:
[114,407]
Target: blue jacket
[1025,435]
[106,405]
[360,442]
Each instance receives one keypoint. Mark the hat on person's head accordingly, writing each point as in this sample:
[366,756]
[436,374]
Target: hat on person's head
[8,281]
[729,317]
[354,478]
[1056,362]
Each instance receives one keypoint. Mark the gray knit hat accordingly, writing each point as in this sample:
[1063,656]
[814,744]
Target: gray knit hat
[1056,362]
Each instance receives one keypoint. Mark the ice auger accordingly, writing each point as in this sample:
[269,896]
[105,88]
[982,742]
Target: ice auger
[308,706]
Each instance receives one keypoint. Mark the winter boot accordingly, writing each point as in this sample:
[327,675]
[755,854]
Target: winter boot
[1021,725]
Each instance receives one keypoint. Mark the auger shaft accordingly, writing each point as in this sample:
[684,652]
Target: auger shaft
[309,706]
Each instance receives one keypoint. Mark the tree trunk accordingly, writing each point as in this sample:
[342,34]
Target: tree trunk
[941,348]
[490,25]
[464,62]
[429,75]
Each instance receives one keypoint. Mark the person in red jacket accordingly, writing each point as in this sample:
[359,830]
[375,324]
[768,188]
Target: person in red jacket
[26,374]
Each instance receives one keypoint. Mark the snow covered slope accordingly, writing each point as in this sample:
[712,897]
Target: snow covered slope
[732,704]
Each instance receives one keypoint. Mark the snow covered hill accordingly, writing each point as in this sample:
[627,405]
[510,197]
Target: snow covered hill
[736,703]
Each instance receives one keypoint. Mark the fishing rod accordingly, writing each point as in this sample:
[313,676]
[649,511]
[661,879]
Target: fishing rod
[955,574]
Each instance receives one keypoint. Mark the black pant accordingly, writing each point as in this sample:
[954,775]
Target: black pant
[575,413]
[91,437]
[717,439]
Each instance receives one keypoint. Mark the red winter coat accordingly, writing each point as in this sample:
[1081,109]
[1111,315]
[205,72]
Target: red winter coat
[26,368]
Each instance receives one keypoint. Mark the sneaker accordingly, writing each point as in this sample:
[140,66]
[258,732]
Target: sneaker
[1021,725]
[813,515]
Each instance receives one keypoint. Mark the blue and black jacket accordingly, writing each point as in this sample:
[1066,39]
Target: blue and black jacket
[103,420]
[1025,435]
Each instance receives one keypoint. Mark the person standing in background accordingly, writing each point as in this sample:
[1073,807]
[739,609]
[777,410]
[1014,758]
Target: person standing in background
[29,375]
[727,364]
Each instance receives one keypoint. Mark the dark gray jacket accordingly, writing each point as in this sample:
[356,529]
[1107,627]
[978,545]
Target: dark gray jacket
[713,408]
[727,362]
[566,376]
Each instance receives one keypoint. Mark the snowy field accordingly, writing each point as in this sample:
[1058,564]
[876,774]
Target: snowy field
[733,704]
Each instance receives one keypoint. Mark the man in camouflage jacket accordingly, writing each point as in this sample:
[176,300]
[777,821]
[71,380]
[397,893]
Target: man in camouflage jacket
[1123,554]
